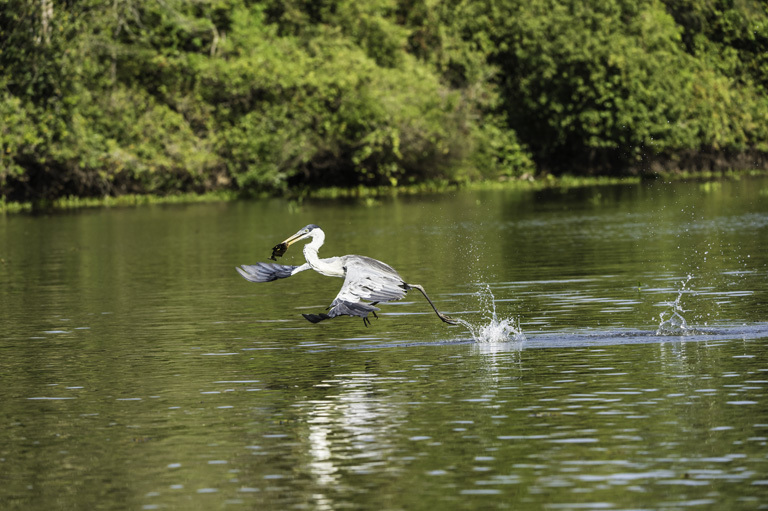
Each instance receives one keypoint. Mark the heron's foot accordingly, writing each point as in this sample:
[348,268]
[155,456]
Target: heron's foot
[374,314]
[447,319]
[366,321]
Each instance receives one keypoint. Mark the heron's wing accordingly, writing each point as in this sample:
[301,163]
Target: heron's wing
[369,280]
[267,272]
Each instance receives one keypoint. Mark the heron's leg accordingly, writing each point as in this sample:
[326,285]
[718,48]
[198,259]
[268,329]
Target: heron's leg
[374,312]
[366,321]
[439,314]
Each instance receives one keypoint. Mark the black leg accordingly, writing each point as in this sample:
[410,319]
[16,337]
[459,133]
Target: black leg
[440,315]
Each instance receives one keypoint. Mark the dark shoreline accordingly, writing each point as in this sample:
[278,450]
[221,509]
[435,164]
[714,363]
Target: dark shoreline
[708,169]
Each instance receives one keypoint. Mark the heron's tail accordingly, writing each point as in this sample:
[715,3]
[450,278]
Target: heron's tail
[265,272]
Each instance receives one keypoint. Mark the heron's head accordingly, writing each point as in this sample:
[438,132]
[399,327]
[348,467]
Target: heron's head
[310,230]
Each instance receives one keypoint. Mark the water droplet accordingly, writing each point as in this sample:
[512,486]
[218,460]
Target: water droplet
[493,329]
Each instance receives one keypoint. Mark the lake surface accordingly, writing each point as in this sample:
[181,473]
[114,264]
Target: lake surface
[614,355]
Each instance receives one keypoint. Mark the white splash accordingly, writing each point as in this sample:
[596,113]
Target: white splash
[492,329]
[671,321]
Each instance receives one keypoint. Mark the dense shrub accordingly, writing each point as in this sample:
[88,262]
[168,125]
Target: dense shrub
[603,85]
[135,96]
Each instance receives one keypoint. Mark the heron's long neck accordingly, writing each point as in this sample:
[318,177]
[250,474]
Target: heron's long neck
[311,248]
[329,267]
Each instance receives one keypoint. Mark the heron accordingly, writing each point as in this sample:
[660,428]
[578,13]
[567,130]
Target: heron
[367,281]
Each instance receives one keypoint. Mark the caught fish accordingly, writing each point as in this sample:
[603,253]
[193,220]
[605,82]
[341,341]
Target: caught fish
[279,250]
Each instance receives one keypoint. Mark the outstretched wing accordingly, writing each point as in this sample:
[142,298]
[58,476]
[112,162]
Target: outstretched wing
[267,272]
[367,280]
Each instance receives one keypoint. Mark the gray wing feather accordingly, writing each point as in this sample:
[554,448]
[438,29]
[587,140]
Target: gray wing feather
[340,308]
[265,272]
[366,279]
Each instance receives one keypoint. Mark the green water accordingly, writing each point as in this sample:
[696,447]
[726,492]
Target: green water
[138,370]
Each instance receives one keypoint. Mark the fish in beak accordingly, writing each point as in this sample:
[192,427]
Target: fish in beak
[280,249]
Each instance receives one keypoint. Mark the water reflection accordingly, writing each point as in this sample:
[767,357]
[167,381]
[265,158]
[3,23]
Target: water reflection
[350,433]
[612,419]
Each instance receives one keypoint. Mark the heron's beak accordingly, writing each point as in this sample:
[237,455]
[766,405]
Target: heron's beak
[296,237]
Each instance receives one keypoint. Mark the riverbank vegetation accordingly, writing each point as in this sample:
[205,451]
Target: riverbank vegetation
[134,97]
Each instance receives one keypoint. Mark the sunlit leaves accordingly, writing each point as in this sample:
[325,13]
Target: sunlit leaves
[131,96]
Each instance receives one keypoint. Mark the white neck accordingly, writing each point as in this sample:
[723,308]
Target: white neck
[311,248]
[330,267]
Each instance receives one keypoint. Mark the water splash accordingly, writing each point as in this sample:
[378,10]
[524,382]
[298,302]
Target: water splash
[492,329]
[671,321]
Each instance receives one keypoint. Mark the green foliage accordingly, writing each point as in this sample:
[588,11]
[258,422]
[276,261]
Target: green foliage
[731,35]
[135,96]
[605,84]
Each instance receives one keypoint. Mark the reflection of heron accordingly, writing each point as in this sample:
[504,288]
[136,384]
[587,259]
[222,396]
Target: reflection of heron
[364,278]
